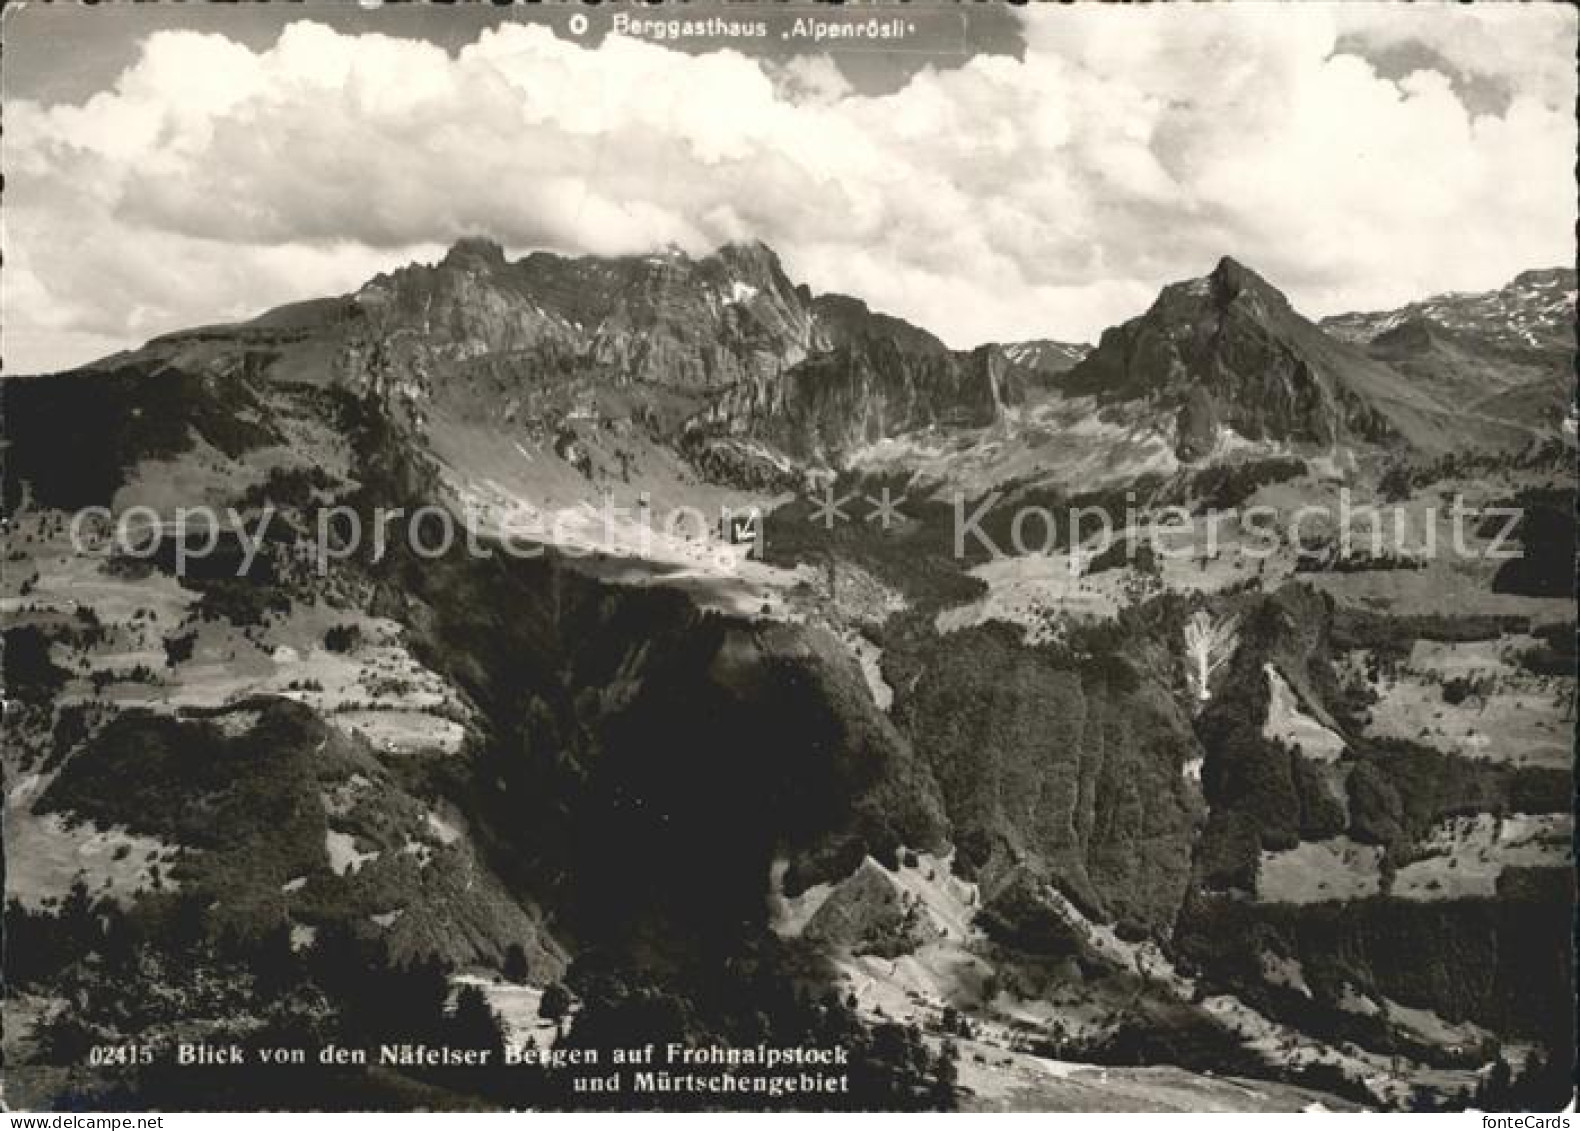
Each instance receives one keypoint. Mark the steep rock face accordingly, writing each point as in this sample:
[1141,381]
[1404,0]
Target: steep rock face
[726,348]
[811,376]
[663,319]
[872,376]
[1075,776]
[1229,350]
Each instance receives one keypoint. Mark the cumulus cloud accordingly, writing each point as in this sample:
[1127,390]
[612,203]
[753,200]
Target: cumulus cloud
[1048,195]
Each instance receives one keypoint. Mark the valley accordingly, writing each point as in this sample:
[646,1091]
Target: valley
[983,818]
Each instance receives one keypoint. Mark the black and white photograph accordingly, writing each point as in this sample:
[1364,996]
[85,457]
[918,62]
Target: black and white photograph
[731,556]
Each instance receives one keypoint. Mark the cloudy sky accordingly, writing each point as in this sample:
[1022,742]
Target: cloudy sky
[1002,174]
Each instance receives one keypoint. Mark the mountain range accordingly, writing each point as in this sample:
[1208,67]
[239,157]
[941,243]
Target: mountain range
[1260,831]
[752,380]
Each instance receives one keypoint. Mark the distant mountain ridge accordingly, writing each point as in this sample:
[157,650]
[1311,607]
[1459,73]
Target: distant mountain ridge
[1535,310]
[1507,353]
[1046,356]
[730,351]
[753,379]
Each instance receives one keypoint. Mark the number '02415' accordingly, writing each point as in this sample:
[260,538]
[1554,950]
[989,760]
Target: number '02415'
[120,1054]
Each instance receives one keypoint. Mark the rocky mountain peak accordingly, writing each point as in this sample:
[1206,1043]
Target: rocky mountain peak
[1231,279]
[1228,351]
[751,258]
[1229,288]
[1532,314]
[474,252]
